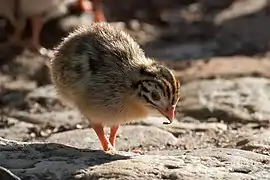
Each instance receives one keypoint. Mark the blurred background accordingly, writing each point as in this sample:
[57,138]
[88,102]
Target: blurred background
[219,49]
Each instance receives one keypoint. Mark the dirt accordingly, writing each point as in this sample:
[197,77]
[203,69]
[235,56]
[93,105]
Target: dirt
[200,40]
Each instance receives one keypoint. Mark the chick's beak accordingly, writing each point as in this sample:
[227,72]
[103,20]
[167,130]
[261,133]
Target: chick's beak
[169,114]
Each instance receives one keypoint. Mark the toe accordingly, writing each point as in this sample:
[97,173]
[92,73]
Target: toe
[111,150]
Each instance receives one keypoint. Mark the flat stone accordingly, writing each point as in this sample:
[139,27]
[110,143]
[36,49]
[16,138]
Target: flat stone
[47,91]
[15,130]
[28,64]
[247,7]
[54,161]
[133,137]
[129,137]
[222,67]
[177,127]
[235,100]
[19,84]
[259,143]
[56,119]
[27,126]
[80,138]
[185,51]
[242,28]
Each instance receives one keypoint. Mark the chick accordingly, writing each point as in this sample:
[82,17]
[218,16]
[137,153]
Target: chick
[103,72]
[17,11]
[97,9]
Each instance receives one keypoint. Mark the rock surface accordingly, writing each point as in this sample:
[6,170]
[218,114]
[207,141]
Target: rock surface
[223,67]
[54,161]
[240,99]
[15,129]
[259,143]
[218,109]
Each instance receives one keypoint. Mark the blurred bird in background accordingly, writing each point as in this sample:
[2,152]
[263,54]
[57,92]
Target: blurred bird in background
[98,13]
[37,11]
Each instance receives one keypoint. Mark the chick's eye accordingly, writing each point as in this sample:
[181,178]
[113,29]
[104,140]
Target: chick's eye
[155,96]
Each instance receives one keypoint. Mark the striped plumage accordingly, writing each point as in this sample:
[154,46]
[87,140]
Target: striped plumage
[163,79]
[158,87]
[105,74]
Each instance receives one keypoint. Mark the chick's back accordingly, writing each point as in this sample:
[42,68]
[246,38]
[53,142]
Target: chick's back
[94,59]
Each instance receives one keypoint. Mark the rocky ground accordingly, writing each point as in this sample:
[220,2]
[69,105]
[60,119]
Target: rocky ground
[219,51]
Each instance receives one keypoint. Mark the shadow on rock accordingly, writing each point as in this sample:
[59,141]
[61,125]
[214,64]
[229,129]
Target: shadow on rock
[41,160]
[7,175]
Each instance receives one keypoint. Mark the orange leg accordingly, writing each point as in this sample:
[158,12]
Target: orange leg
[113,132]
[98,13]
[101,136]
[35,45]
[84,5]
[37,25]
[16,37]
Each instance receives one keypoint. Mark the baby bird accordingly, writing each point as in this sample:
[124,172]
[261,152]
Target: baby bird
[17,11]
[106,75]
[97,9]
